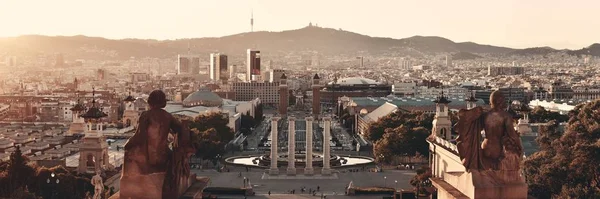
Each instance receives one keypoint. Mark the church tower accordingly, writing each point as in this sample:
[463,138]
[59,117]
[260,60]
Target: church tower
[78,124]
[442,126]
[471,101]
[93,151]
[130,116]
[523,123]
[283,95]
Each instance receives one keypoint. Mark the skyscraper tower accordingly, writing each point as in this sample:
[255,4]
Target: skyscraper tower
[252,21]
[253,70]
[218,67]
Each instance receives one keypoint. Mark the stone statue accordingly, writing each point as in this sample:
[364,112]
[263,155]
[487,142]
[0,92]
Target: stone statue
[501,148]
[148,157]
[98,185]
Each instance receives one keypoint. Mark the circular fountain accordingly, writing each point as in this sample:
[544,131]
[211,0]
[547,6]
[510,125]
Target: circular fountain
[300,160]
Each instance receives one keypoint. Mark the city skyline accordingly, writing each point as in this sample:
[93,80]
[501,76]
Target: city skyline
[509,23]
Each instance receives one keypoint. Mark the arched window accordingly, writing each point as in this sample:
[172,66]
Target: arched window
[443,132]
[91,160]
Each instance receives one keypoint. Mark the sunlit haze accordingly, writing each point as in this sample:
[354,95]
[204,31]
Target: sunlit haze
[512,23]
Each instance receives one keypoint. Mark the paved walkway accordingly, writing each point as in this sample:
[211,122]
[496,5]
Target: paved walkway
[395,178]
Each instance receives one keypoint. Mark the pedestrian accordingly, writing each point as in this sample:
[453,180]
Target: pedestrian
[318,188]
[269,192]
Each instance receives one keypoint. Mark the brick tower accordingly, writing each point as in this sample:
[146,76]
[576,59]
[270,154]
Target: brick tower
[316,98]
[283,95]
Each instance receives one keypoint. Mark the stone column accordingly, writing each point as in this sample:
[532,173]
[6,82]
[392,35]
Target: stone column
[308,170]
[326,148]
[291,169]
[274,156]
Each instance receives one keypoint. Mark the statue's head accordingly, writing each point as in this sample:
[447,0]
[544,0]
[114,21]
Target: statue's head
[157,99]
[497,100]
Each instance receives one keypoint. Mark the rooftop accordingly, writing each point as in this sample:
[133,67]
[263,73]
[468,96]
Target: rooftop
[409,101]
[355,81]
[203,97]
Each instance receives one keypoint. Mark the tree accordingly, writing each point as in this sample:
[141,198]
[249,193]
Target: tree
[408,119]
[207,144]
[421,181]
[258,114]
[247,121]
[216,121]
[291,98]
[19,179]
[17,174]
[541,115]
[567,164]
[401,141]
[210,134]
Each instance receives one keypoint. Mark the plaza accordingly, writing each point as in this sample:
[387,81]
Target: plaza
[389,178]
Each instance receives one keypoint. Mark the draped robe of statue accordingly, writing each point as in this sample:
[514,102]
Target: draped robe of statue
[148,156]
[501,148]
[469,129]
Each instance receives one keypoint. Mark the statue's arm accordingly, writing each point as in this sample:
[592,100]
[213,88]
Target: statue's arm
[513,136]
[175,125]
[137,137]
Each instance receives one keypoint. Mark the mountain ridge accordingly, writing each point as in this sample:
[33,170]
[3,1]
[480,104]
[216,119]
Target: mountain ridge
[326,41]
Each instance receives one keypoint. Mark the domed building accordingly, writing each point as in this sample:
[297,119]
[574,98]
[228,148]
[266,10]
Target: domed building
[353,87]
[205,101]
[203,97]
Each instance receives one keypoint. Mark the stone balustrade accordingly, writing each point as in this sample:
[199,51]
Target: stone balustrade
[447,144]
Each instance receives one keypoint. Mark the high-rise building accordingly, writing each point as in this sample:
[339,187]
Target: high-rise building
[275,75]
[448,61]
[405,64]
[233,72]
[218,67]
[253,65]
[188,64]
[267,92]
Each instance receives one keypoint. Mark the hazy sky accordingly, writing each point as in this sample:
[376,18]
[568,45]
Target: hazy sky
[513,23]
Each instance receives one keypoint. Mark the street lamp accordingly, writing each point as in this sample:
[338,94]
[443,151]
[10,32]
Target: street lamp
[52,181]
[384,181]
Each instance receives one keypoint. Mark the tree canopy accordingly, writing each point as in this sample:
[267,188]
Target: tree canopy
[19,179]
[400,133]
[409,120]
[567,164]
[210,135]
[541,115]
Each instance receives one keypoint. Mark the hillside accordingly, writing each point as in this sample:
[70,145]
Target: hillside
[533,51]
[593,50]
[325,41]
[464,56]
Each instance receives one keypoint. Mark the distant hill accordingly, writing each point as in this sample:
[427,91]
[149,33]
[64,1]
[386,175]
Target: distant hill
[533,51]
[593,50]
[464,56]
[325,41]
